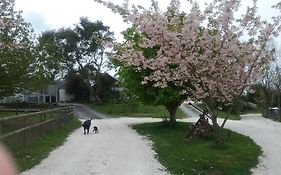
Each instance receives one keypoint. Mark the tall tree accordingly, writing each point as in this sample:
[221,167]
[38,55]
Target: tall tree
[208,49]
[271,85]
[17,58]
[170,96]
[81,49]
[50,56]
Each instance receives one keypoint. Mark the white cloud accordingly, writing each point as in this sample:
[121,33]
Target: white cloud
[34,17]
[64,13]
[54,14]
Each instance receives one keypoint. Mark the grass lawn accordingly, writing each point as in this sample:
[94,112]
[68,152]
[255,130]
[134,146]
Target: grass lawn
[28,156]
[221,114]
[133,110]
[236,156]
[7,114]
[257,111]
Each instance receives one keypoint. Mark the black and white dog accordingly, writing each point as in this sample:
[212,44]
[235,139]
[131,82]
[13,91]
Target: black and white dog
[86,125]
[95,129]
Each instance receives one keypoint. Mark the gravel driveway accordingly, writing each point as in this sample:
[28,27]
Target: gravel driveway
[115,150]
[119,150]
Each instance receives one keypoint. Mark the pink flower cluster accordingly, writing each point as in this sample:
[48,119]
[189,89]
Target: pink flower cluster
[8,19]
[5,6]
[217,52]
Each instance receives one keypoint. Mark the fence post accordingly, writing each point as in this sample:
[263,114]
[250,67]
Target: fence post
[44,114]
[0,128]
[65,116]
[72,111]
[24,132]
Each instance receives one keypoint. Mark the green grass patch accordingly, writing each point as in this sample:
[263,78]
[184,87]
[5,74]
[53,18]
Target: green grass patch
[7,114]
[30,155]
[134,110]
[221,114]
[253,111]
[236,156]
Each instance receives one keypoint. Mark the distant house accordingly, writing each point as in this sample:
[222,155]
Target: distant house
[52,93]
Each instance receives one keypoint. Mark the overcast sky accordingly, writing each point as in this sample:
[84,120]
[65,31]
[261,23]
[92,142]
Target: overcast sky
[54,14]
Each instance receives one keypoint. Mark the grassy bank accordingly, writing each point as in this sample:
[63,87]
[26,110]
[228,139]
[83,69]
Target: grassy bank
[133,110]
[28,156]
[236,156]
[221,114]
[7,114]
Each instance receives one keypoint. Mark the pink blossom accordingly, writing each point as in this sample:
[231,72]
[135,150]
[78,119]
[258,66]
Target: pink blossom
[207,48]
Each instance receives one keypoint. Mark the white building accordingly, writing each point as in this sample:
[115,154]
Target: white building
[52,93]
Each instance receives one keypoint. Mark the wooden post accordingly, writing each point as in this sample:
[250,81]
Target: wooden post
[24,132]
[0,128]
[72,112]
[44,114]
[40,130]
[65,116]
[41,126]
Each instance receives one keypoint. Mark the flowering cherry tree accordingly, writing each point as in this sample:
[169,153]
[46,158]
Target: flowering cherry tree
[217,52]
[9,19]
[17,61]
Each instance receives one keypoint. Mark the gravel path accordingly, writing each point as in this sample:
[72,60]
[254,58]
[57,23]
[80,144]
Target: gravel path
[115,150]
[85,112]
[119,150]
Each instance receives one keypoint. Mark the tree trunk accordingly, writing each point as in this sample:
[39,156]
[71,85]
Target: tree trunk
[93,93]
[279,107]
[91,90]
[172,108]
[272,100]
[217,130]
[96,90]
[87,82]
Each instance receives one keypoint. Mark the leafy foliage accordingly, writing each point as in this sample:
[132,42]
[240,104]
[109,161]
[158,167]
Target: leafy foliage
[80,49]
[19,67]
